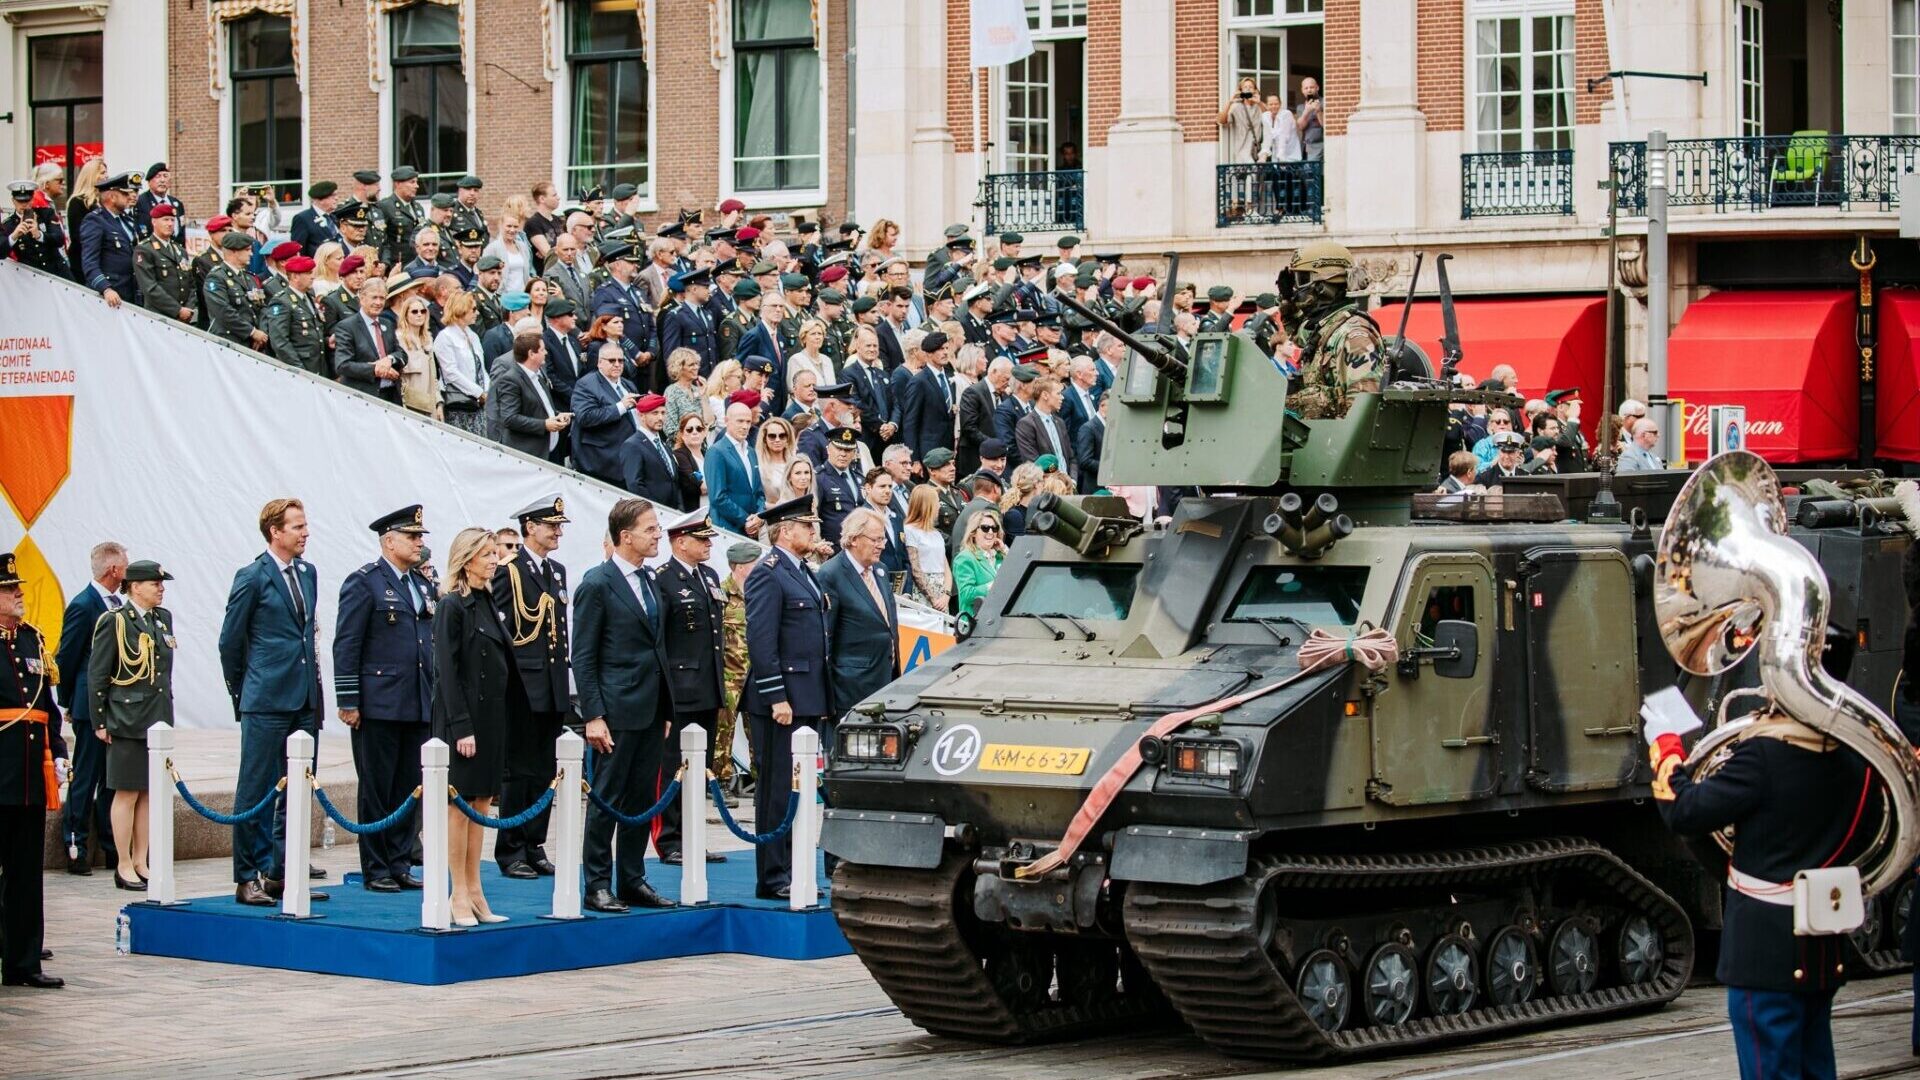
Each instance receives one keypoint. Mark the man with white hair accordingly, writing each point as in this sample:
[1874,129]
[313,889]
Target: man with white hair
[1639,455]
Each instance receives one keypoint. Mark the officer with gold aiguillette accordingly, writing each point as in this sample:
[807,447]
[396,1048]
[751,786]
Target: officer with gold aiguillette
[530,589]
[32,758]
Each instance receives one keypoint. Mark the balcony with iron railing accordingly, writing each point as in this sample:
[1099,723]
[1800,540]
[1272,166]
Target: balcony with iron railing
[1035,201]
[1511,183]
[1754,173]
[1269,193]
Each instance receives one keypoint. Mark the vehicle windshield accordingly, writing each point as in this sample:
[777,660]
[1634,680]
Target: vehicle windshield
[1315,595]
[1078,590]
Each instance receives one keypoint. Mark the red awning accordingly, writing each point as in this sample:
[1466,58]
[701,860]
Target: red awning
[1897,377]
[1788,356]
[1553,344]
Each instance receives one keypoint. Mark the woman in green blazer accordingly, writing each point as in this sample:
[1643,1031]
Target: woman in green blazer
[130,678]
[978,561]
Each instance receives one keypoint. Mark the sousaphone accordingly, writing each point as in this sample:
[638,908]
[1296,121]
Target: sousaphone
[1731,583]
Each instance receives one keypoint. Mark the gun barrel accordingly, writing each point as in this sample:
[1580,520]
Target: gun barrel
[1171,366]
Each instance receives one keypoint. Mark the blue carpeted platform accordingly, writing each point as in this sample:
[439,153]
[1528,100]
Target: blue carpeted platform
[377,935]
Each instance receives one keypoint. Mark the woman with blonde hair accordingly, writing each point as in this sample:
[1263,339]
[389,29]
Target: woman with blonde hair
[86,196]
[927,548]
[722,381]
[476,685]
[326,268]
[686,394]
[776,450]
[516,255]
[812,337]
[420,379]
[463,367]
[881,239]
[978,561]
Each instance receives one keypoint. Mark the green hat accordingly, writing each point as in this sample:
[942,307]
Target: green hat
[146,570]
[322,189]
[366,176]
[953,231]
[938,458]
[443,201]
[1086,277]
[862,304]
[794,282]
[1266,300]
[489,262]
[742,553]
[746,289]
[236,241]
[1002,262]
[623,192]
[832,296]
[1012,238]
[1025,373]
[404,173]
[761,268]
[1047,463]
[1555,397]
[468,181]
[1220,293]
[1067,242]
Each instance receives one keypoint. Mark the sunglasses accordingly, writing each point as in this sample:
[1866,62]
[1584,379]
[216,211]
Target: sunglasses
[989,528]
[511,547]
[694,429]
[772,435]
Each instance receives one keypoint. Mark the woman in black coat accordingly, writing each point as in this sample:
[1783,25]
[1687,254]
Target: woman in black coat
[475,685]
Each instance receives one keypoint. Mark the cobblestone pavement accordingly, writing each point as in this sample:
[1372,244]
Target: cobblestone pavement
[144,1018]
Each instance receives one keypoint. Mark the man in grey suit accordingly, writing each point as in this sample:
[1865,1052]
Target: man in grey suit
[528,419]
[365,348]
[571,270]
[1044,431]
[863,643]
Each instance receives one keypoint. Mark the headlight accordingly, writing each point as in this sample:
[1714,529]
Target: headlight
[880,744]
[1217,759]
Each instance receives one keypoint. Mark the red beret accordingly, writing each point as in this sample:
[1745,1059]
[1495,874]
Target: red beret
[283,252]
[749,398]
[218,222]
[299,264]
[351,263]
[161,210]
[1142,282]
[832,274]
[732,206]
[649,402]
[747,232]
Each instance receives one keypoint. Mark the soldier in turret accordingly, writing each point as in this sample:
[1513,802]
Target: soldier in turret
[1337,346]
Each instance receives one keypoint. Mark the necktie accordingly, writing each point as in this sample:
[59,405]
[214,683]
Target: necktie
[946,394]
[873,590]
[114,602]
[379,339]
[413,594]
[646,599]
[1053,437]
[299,601]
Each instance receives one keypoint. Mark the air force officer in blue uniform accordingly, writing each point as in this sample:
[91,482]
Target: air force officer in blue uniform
[383,685]
[107,237]
[787,675]
[267,653]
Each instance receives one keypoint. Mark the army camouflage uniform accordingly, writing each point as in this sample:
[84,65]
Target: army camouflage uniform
[296,332]
[839,342]
[229,303]
[1341,354]
[733,648]
[165,276]
[732,329]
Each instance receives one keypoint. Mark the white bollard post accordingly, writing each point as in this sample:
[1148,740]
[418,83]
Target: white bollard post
[693,815]
[566,832]
[804,891]
[160,887]
[436,901]
[296,900]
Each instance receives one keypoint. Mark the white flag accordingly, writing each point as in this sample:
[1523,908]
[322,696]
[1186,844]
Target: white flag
[1000,33]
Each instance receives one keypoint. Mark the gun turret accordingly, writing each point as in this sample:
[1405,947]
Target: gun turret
[1167,360]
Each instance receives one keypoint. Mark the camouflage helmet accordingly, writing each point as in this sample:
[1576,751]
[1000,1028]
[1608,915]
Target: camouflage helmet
[1322,260]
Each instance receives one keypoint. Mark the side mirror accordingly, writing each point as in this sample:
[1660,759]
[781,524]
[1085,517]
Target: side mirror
[1461,636]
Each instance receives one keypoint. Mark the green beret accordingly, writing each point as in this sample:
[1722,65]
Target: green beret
[794,282]
[469,181]
[322,189]
[742,553]
[1266,300]
[1220,293]
[1067,243]
[938,458]
[405,173]
[443,201]
[832,296]
[863,304]
[1002,263]
[746,289]
[236,241]
[1012,238]
[489,262]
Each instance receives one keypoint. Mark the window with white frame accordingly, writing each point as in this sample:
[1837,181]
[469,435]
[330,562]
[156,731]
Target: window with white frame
[1276,43]
[267,130]
[776,97]
[1266,9]
[429,94]
[1523,76]
[611,96]
[1906,67]
[1050,15]
[1751,46]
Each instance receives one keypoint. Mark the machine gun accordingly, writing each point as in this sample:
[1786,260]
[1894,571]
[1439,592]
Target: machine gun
[1450,338]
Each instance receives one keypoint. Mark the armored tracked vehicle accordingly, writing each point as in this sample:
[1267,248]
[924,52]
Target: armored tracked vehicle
[1122,800]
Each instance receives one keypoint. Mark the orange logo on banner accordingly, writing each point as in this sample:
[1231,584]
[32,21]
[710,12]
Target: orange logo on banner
[36,455]
[919,646]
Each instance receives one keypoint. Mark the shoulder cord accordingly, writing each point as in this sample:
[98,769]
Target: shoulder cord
[137,664]
[538,614]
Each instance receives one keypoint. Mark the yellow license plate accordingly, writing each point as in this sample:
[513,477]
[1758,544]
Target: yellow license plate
[1055,760]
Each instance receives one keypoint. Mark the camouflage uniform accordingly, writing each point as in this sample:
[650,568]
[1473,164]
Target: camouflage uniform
[733,646]
[1342,352]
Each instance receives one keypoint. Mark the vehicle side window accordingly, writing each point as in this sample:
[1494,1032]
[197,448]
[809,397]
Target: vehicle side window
[1446,602]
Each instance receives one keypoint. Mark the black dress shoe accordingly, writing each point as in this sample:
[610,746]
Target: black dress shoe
[80,867]
[314,873]
[46,954]
[642,895]
[408,881]
[252,893]
[602,900]
[784,892]
[136,885]
[317,896]
[520,870]
[382,884]
[37,981]
[672,858]
[714,856]
[542,867]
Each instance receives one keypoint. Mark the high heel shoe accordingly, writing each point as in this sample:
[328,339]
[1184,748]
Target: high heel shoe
[464,922]
[489,917]
[138,884]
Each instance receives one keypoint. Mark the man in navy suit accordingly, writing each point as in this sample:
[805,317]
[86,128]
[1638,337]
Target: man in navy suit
[603,410]
[689,325]
[928,410]
[646,463]
[879,409]
[763,340]
[383,686]
[566,360]
[88,797]
[878,490]
[1081,395]
[1015,407]
[787,684]
[1087,445]
[862,619]
[268,643]
[733,474]
[314,225]
[619,666]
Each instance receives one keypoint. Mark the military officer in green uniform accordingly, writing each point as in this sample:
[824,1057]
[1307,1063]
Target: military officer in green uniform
[486,293]
[746,312]
[162,270]
[799,293]
[466,209]
[391,230]
[30,744]
[345,300]
[229,294]
[130,678]
[741,559]
[294,327]
[833,310]
[1218,317]
[1337,347]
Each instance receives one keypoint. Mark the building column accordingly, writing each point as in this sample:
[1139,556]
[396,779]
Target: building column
[1143,157]
[1386,132]
[135,124]
[904,153]
[1866,56]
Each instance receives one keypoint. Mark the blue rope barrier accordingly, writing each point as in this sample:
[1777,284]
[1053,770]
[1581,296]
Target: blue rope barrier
[785,827]
[671,793]
[540,805]
[369,829]
[219,818]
